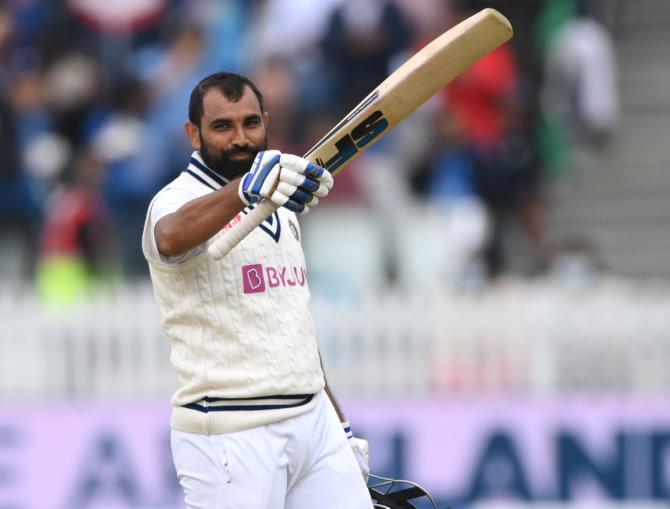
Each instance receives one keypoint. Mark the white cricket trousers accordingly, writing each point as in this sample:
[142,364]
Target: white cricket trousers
[300,463]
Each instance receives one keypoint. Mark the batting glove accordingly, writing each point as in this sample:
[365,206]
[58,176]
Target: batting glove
[262,179]
[288,180]
[301,183]
[360,449]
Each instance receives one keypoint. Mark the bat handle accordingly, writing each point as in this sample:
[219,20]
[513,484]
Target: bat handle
[222,246]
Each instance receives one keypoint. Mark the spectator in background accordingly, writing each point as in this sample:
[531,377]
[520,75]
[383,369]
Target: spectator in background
[18,209]
[133,165]
[72,84]
[276,77]
[289,31]
[78,253]
[363,42]
[580,95]
[361,45]
[489,150]
[47,133]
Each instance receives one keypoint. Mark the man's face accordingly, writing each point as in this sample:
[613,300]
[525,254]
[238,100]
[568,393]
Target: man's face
[231,133]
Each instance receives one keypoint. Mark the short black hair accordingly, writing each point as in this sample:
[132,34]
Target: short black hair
[230,84]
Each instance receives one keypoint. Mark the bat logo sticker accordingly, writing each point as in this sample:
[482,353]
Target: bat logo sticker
[362,134]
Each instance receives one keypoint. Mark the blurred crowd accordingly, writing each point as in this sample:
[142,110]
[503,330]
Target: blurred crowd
[94,96]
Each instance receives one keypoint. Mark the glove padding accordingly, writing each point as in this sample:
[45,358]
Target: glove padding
[360,450]
[260,181]
[288,180]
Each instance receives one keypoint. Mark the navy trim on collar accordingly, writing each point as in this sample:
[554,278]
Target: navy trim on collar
[198,177]
[270,220]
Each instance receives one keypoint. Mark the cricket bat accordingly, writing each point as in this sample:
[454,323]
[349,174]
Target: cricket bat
[395,98]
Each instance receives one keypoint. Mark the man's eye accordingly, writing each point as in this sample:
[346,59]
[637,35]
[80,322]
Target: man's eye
[253,123]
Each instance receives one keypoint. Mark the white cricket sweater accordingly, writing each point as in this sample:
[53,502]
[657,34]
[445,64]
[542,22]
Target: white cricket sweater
[242,337]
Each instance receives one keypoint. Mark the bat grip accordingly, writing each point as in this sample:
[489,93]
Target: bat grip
[222,246]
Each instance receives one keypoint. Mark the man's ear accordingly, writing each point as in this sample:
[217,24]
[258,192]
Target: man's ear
[193,133]
[265,119]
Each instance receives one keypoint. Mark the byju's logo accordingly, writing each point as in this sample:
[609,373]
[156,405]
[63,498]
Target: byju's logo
[252,275]
[257,279]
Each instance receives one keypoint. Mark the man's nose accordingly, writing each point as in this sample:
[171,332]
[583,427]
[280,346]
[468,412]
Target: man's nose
[240,137]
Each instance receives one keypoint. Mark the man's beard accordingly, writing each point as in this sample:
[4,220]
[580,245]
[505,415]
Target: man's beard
[223,164]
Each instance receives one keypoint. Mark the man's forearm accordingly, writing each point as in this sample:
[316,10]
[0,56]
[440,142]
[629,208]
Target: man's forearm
[330,394]
[197,221]
[335,403]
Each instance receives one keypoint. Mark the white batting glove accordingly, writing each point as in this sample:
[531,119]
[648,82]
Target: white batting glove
[360,449]
[301,184]
[288,180]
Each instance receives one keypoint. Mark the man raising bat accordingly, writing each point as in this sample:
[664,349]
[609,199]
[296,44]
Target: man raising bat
[253,423]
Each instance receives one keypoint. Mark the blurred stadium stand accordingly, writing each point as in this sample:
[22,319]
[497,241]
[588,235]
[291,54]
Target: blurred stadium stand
[618,197]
